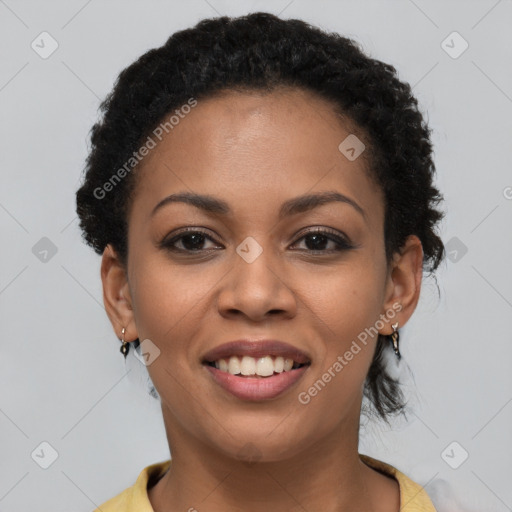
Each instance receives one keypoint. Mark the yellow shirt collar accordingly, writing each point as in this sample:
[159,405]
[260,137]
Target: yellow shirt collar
[413,498]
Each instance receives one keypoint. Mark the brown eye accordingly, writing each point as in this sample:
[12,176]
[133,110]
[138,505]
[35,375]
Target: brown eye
[319,240]
[188,241]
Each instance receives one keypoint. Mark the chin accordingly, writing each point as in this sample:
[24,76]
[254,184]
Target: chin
[255,445]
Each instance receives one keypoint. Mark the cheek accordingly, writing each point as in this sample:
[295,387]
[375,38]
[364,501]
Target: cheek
[346,301]
[168,307]
[344,309]
[167,299]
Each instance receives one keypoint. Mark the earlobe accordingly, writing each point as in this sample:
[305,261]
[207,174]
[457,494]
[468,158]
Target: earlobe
[404,281]
[116,294]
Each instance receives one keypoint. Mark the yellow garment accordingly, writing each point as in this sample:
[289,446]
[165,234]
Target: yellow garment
[135,499]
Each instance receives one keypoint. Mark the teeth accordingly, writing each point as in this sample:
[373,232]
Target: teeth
[233,365]
[262,366]
[247,366]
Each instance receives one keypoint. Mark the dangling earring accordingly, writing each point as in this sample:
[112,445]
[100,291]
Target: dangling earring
[395,336]
[125,347]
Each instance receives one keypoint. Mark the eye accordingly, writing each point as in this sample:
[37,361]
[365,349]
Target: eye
[318,239]
[191,240]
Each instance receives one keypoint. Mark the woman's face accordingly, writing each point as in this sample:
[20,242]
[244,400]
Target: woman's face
[254,274]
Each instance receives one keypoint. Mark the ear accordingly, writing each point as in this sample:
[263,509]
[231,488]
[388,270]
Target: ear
[116,295]
[404,283]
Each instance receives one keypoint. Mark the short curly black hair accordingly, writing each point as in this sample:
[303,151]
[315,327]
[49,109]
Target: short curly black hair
[261,52]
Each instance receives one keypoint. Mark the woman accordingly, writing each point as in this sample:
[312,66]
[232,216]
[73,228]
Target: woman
[261,193]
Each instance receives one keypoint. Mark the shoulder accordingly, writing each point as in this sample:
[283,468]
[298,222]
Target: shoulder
[135,498]
[413,498]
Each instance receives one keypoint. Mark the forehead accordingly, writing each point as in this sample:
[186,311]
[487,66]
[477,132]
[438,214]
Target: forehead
[254,149]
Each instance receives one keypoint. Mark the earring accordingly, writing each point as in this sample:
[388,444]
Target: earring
[395,336]
[125,347]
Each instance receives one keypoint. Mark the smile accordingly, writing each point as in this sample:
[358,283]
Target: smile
[264,367]
[241,377]
[256,370]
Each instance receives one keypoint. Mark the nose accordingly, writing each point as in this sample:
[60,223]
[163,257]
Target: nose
[256,289]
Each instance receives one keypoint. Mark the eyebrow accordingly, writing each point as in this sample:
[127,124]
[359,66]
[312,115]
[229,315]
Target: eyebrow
[290,207]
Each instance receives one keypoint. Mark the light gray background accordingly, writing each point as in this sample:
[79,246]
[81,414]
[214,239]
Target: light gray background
[62,378]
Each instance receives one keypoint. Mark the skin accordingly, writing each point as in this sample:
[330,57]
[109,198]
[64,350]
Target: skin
[256,151]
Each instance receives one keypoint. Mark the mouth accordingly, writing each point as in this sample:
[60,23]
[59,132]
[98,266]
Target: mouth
[256,370]
[260,358]
[261,367]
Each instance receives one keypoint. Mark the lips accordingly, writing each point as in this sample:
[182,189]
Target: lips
[289,366]
[256,349]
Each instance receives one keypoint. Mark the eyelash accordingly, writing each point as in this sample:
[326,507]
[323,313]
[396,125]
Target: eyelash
[342,243]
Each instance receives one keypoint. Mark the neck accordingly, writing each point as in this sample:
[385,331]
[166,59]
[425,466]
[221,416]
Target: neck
[328,476]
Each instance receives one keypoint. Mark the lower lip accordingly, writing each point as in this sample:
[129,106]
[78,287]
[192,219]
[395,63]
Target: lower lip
[255,389]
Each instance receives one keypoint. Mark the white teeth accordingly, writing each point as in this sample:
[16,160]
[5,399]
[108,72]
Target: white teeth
[265,366]
[234,365]
[247,365]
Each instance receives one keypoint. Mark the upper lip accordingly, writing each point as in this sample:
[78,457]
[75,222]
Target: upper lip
[256,348]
